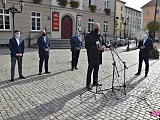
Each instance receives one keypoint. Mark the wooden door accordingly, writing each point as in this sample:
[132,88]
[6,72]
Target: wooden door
[66,27]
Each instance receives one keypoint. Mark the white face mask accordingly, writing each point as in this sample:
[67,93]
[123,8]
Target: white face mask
[17,35]
[145,36]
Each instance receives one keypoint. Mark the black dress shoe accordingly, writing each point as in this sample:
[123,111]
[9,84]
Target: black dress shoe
[96,84]
[76,68]
[88,87]
[47,72]
[145,75]
[40,73]
[72,69]
[12,79]
[22,77]
[137,74]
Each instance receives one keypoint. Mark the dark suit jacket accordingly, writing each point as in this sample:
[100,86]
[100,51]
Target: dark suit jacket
[94,55]
[14,48]
[42,45]
[148,46]
[75,42]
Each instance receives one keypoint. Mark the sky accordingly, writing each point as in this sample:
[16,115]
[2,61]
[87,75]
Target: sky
[136,4]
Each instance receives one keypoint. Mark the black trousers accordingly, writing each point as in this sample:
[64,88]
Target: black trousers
[95,69]
[13,63]
[42,58]
[75,56]
[146,60]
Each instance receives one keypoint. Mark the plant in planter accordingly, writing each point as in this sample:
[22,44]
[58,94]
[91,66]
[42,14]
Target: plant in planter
[37,1]
[108,11]
[154,53]
[74,4]
[62,2]
[93,8]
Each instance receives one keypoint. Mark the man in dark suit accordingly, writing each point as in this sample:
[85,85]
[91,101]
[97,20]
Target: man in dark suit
[44,46]
[76,44]
[94,53]
[16,46]
[145,46]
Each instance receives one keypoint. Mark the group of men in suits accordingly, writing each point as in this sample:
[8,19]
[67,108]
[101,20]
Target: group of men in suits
[93,44]
[16,46]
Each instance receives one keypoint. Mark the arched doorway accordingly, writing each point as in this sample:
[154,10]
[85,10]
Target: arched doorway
[66,27]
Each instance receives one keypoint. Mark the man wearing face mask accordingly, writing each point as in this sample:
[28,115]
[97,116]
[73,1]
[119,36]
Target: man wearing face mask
[93,44]
[145,46]
[44,46]
[16,46]
[76,44]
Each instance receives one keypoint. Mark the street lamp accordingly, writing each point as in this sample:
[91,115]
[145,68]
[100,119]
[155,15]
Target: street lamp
[125,22]
[13,10]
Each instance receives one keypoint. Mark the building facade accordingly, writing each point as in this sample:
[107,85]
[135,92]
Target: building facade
[128,19]
[60,20]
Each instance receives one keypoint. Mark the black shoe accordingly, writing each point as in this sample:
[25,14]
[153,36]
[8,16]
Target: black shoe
[12,79]
[22,77]
[137,74]
[47,72]
[72,69]
[76,68]
[96,84]
[145,75]
[40,73]
[88,87]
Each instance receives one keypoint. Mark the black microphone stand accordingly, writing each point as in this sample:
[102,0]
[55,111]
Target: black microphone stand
[113,88]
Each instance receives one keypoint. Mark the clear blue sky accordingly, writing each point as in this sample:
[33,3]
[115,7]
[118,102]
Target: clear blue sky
[136,4]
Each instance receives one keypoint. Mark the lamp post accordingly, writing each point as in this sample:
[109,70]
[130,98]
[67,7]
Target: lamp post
[154,32]
[13,10]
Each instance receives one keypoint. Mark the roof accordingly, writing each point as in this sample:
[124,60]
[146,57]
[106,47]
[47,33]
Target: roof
[151,3]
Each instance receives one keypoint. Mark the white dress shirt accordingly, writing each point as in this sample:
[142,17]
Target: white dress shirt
[17,41]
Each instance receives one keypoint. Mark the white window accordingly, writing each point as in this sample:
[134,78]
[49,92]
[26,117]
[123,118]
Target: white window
[92,2]
[147,21]
[105,26]
[90,24]
[4,20]
[148,12]
[106,4]
[35,21]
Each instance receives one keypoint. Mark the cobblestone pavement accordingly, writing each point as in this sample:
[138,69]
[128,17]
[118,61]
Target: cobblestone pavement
[58,96]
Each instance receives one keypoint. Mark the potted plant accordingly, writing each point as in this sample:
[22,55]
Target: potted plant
[154,53]
[62,2]
[108,11]
[37,1]
[74,4]
[93,8]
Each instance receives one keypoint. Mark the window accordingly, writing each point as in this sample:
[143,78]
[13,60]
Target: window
[157,11]
[4,20]
[106,4]
[148,12]
[36,21]
[105,26]
[121,8]
[90,24]
[92,2]
[147,21]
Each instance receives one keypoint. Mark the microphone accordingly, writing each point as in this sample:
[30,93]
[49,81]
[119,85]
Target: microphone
[108,44]
[97,43]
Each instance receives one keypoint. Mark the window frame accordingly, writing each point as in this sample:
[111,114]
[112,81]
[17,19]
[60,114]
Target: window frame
[4,15]
[90,24]
[105,25]
[36,17]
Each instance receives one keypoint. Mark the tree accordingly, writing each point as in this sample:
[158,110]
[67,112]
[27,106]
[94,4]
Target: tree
[150,26]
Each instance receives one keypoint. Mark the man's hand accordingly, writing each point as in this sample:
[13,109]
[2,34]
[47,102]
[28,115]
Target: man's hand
[19,54]
[142,47]
[78,48]
[101,48]
[46,49]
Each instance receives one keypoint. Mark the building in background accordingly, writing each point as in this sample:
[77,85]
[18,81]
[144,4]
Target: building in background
[148,12]
[129,20]
[60,18]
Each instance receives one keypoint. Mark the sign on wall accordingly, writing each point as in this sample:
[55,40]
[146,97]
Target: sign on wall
[55,21]
[79,23]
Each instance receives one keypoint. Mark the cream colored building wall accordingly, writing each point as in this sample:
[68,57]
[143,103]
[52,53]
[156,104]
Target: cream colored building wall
[119,13]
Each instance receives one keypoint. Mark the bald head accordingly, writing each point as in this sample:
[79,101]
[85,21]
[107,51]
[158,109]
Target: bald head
[96,25]
[43,32]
